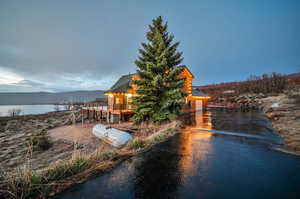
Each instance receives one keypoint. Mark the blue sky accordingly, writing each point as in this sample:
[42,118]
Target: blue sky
[78,45]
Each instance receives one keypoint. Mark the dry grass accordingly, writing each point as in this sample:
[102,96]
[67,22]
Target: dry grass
[63,169]
[25,183]
[136,143]
[22,183]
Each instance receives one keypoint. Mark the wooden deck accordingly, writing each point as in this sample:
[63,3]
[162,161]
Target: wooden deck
[105,112]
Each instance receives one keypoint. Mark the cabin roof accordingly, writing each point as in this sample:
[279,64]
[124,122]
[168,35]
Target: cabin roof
[188,70]
[196,92]
[125,81]
[122,85]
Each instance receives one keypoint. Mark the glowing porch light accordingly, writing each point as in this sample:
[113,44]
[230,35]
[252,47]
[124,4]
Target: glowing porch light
[128,94]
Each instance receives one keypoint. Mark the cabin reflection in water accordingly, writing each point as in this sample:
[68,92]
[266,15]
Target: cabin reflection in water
[194,146]
[199,120]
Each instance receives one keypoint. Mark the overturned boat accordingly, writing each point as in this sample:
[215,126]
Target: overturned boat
[110,135]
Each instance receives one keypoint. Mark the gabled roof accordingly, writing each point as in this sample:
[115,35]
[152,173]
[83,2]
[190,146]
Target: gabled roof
[196,92]
[125,81]
[184,67]
[122,85]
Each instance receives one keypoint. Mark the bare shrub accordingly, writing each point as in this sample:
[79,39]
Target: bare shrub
[56,107]
[267,83]
[14,112]
[41,141]
[67,107]
[295,96]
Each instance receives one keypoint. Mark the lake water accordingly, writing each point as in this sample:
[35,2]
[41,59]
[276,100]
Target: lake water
[29,109]
[218,155]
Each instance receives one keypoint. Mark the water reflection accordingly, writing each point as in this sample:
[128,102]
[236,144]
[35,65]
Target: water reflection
[194,147]
[157,177]
[199,119]
[200,164]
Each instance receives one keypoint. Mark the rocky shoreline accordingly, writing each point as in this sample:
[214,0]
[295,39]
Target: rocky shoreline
[284,112]
[282,109]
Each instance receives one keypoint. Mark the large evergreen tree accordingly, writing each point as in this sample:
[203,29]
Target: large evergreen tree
[160,98]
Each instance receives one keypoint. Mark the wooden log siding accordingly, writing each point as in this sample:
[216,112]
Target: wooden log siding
[124,87]
[121,107]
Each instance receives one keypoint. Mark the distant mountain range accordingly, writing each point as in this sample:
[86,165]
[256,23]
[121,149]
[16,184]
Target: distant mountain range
[49,98]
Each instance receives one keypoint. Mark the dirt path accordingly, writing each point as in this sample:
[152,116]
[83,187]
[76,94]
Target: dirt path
[80,134]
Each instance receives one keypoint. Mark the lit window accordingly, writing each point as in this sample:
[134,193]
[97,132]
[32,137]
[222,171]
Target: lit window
[129,99]
[119,100]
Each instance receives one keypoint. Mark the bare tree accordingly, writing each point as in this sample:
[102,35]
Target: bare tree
[56,107]
[14,112]
[67,107]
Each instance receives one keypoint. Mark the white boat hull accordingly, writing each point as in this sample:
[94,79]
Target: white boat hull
[112,136]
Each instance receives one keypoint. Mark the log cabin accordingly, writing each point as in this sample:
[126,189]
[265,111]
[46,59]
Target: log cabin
[119,96]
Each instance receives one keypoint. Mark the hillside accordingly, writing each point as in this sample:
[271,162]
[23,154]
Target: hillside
[49,98]
[265,84]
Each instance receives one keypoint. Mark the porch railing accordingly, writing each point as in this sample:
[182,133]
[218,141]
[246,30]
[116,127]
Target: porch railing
[120,107]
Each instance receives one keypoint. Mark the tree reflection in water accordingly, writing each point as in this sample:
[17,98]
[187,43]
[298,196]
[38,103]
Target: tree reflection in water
[158,174]
[163,169]
[200,164]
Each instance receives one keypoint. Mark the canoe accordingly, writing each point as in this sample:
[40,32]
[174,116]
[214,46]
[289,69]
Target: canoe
[112,136]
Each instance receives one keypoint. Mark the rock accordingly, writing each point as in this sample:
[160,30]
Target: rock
[275,105]
[274,115]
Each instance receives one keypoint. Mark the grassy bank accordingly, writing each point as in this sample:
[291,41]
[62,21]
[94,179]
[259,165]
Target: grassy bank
[25,182]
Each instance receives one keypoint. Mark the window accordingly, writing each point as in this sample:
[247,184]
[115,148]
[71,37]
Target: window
[110,99]
[129,99]
[119,100]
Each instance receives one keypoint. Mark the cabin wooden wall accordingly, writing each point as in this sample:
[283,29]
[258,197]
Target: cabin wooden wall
[134,86]
[188,81]
[205,102]
[116,98]
[184,74]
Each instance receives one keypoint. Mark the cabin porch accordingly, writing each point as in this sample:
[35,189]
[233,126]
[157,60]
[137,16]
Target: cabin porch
[117,111]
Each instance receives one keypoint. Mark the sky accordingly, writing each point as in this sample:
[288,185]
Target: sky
[60,45]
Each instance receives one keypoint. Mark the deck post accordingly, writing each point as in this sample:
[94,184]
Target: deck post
[108,117]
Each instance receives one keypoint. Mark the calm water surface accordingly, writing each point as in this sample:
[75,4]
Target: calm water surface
[29,109]
[215,157]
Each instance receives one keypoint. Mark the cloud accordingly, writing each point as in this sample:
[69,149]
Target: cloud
[65,48]
[9,77]
[53,83]
[89,45]
[29,83]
